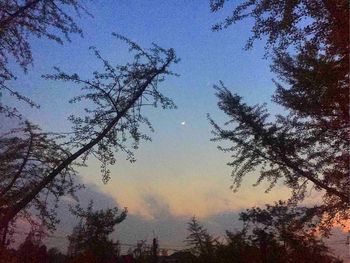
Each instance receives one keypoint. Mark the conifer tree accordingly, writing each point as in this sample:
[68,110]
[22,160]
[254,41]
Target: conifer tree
[307,148]
[201,242]
[90,238]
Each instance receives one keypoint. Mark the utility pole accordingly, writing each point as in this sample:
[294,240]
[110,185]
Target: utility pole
[155,250]
[348,242]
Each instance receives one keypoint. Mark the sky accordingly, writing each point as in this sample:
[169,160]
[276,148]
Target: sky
[180,173]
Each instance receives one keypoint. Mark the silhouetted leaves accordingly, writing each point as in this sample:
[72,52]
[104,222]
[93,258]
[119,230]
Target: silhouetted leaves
[20,20]
[269,235]
[27,155]
[309,147]
[201,242]
[90,238]
[113,115]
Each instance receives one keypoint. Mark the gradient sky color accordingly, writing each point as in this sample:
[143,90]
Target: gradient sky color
[180,165]
[180,168]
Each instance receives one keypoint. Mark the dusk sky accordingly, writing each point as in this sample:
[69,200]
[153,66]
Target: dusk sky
[180,173]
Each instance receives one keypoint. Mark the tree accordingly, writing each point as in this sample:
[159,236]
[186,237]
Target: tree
[22,157]
[90,238]
[27,154]
[20,19]
[280,235]
[308,148]
[202,243]
[236,248]
[273,234]
[7,255]
[55,256]
[288,24]
[142,252]
[32,250]
[116,97]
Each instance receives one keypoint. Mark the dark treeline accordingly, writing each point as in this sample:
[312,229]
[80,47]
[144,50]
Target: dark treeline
[273,234]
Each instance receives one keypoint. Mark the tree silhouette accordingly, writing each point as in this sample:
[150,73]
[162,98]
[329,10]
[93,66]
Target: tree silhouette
[142,252]
[32,250]
[274,234]
[309,147]
[279,234]
[236,248]
[55,256]
[23,155]
[20,20]
[201,242]
[27,154]
[287,24]
[113,115]
[90,238]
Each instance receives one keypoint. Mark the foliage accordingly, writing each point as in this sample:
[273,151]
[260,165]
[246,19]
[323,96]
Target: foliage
[32,249]
[55,256]
[142,252]
[290,23]
[22,19]
[307,148]
[201,242]
[27,154]
[113,115]
[117,95]
[280,230]
[7,255]
[273,234]
[90,238]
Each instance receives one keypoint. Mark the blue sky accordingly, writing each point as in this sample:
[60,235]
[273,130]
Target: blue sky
[180,169]
[180,166]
